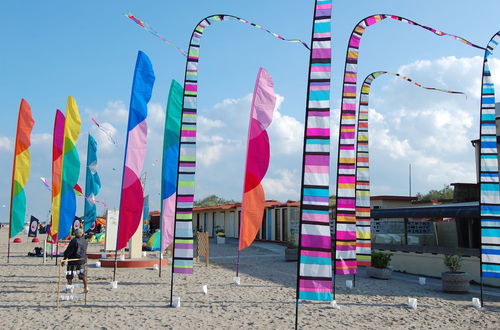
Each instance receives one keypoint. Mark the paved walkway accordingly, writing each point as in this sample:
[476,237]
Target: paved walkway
[273,250]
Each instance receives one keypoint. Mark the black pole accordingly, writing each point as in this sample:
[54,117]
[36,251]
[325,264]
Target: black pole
[354,280]
[303,171]
[57,250]
[159,258]
[8,249]
[114,267]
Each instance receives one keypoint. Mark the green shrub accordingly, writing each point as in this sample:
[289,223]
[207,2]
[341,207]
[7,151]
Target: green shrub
[453,262]
[291,241]
[381,259]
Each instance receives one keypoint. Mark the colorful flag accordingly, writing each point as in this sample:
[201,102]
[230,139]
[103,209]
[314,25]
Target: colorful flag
[363,218]
[33,228]
[345,233]
[20,169]
[92,184]
[170,161]
[57,151]
[132,195]
[315,247]
[258,155]
[489,180]
[183,233]
[70,169]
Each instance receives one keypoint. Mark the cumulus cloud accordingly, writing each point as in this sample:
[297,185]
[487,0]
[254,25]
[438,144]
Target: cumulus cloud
[428,129]
[6,144]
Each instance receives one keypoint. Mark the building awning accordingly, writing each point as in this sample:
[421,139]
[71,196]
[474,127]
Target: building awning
[456,210]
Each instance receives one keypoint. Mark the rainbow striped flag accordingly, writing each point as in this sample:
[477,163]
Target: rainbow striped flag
[20,169]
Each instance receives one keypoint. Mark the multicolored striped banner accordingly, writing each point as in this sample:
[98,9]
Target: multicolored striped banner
[20,168]
[57,151]
[363,225]
[70,169]
[345,258]
[92,184]
[314,272]
[489,180]
[132,194]
[171,137]
[183,232]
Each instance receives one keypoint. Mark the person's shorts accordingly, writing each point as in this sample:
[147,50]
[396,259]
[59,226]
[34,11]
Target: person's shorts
[73,270]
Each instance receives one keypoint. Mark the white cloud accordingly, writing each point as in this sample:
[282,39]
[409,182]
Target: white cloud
[6,144]
[282,182]
[429,129]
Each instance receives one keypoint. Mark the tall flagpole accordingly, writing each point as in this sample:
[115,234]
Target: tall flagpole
[314,226]
[489,203]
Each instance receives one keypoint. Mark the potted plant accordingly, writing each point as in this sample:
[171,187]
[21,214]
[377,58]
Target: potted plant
[291,250]
[380,265]
[454,280]
[221,235]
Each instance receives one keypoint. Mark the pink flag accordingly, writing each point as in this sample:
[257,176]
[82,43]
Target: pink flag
[258,154]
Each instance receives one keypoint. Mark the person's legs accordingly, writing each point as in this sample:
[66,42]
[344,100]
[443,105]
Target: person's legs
[82,275]
[69,274]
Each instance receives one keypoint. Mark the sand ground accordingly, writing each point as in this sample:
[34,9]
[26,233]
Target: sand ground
[264,300]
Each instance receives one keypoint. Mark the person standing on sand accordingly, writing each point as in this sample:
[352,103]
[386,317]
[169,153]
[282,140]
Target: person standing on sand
[77,249]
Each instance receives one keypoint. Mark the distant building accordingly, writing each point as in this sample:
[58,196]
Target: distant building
[278,221]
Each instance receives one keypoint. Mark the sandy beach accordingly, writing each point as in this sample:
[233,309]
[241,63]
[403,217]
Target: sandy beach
[264,300]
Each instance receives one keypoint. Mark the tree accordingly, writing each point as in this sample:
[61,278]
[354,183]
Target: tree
[213,200]
[445,193]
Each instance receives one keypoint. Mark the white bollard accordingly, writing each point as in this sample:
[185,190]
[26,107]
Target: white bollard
[348,284]
[176,301]
[236,280]
[476,302]
[412,303]
[204,289]
[421,280]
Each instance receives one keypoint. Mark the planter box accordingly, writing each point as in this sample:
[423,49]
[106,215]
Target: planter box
[380,273]
[291,254]
[221,240]
[455,282]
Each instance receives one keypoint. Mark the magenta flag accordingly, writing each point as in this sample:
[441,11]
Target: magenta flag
[132,197]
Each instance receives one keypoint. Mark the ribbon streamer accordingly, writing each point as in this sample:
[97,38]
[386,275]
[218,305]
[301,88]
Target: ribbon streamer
[148,28]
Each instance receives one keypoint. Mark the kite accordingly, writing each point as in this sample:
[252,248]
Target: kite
[70,168]
[132,196]
[257,163]
[345,250]
[105,131]
[224,17]
[78,191]
[57,151]
[363,233]
[489,180]
[92,184]
[45,183]
[171,137]
[20,170]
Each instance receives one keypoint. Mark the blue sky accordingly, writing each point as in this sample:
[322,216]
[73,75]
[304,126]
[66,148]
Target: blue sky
[87,49]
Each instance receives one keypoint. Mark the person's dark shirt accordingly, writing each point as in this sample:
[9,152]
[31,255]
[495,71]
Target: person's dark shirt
[77,249]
